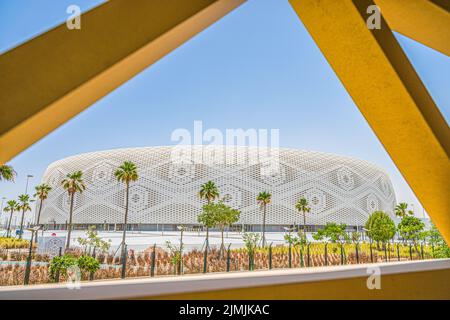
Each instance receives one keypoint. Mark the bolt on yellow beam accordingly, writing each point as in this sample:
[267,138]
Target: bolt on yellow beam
[383,84]
[50,79]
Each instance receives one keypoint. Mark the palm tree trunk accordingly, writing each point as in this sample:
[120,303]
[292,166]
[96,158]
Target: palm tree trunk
[304,222]
[69,228]
[208,201]
[8,234]
[416,247]
[264,227]
[222,246]
[21,224]
[39,212]
[38,218]
[126,217]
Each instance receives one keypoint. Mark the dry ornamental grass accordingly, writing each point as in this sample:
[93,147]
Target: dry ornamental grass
[139,264]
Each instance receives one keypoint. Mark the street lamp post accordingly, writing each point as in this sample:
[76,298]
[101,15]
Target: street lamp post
[1,209]
[28,178]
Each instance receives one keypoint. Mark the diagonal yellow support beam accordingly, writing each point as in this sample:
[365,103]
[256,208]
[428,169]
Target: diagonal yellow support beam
[388,92]
[53,77]
[426,21]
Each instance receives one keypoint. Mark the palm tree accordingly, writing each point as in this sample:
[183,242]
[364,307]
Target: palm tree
[401,210]
[210,192]
[126,173]
[12,206]
[263,199]
[42,191]
[302,206]
[7,173]
[24,205]
[73,183]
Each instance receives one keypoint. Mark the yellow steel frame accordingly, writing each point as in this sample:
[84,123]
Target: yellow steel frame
[414,285]
[53,77]
[422,20]
[388,92]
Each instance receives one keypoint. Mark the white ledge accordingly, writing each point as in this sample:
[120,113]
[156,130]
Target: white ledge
[147,287]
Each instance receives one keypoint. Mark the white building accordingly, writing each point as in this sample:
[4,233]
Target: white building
[338,189]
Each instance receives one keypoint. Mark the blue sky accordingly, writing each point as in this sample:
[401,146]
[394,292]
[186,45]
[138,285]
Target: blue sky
[255,68]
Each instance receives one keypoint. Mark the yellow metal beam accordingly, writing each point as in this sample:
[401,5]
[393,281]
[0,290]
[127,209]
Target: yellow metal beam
[388,92]
[397,280]
[416,285]
[426,21]
[50,79]
[53,77]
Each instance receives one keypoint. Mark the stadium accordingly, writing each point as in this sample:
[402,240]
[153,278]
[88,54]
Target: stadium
[338,189]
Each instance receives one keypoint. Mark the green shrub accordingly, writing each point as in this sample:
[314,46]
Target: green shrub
[381,228]
[61,264]
[88,264]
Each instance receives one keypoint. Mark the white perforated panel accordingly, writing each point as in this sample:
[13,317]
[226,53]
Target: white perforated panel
[339,189]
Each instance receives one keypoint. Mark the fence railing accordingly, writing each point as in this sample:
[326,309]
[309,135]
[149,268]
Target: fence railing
[156,261]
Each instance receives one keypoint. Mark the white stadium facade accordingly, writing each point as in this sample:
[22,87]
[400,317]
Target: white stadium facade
[339,189]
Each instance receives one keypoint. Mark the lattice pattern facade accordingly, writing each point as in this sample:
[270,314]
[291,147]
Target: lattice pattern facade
[338,189]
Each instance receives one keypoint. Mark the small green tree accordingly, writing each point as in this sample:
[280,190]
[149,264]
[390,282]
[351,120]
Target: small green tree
[290,238]
[175,255]
[93,241]
[437,242]
[380,227]
[251,241]
[410,229]
[208,218]
[88,264]
[334,233]
[296,240]
[319,235]
[60,264]
[355,237]
[302,240]
[224,216]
